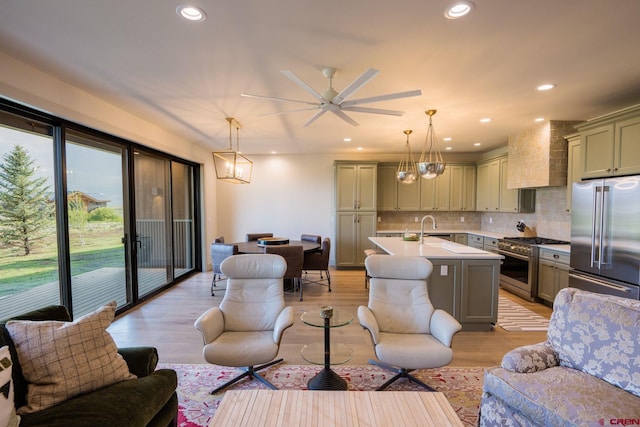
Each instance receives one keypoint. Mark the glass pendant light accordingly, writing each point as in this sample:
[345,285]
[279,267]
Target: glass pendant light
[431,164]
[407,172]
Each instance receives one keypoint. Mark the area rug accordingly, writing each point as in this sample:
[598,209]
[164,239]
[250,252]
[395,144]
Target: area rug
[514,317]
[461,386]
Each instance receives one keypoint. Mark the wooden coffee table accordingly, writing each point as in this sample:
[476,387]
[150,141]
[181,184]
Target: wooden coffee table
[295,408]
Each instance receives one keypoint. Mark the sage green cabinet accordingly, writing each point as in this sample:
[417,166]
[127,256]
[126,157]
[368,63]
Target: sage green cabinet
[475,241]
[353,230]
[463,187]
[466,289]
[435,193]
[394,195]
[508,197]
[356,186]
[553,273]
[488,186]
[574,165]
[460,238]
[611,144]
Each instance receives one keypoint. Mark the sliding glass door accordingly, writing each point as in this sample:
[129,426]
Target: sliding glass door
[97,209]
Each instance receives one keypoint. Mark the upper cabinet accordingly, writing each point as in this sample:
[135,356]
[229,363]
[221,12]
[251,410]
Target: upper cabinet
[356,186]
[610,145]
[492,194]
[454,190]
[574,165]
[394,195]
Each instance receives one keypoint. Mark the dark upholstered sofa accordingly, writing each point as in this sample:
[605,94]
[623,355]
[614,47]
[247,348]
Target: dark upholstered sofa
[150,400]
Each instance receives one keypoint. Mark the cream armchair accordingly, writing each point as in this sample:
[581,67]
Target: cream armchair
[245,331]
[407,332]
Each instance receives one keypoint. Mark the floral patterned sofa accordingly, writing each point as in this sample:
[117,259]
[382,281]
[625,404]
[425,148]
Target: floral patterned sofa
[586,373]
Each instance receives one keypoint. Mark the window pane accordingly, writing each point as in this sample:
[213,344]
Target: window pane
[183,232]
[95,203]
[28,236]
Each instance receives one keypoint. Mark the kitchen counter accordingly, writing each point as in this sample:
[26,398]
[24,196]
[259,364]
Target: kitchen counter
[431,231]
[432,248]
[465,281]
[559,248]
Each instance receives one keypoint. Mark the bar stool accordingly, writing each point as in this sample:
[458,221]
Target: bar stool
[368,252]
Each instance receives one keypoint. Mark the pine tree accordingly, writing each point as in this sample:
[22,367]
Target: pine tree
[24,208]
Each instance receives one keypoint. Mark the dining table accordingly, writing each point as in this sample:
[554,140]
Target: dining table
[253,247]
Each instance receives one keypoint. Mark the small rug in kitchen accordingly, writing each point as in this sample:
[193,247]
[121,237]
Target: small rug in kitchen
[514,317]
[461,386]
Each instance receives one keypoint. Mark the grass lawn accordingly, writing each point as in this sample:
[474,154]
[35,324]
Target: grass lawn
[102,248]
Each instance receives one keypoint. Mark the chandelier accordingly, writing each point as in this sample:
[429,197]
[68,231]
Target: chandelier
[231,166]
[431,164]
[407,172]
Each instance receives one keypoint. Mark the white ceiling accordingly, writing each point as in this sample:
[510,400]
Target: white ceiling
[189,76]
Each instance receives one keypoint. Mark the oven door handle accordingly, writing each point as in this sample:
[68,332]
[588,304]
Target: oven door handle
[511,254]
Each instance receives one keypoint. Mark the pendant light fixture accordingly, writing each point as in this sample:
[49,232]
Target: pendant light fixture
[407,172]
[231,166]
[431,164]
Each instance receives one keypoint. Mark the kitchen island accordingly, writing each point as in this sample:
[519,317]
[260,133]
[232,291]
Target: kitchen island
[465,280]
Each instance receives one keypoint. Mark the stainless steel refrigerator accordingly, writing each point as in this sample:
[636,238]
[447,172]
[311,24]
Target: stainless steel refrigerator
[605,236]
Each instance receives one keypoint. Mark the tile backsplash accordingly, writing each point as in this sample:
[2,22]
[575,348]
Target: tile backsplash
[549,220]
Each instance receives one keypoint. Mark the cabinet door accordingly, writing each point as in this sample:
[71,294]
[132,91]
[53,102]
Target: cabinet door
[444,286]
[409,195]
[462,190]
[574,167]
[367,182]
[387,196]
[434,193]
[563,277]
[346,239]
[460,238]
[508,198]
[627,147]
[346,188]
[479,291]
[547,280]
[597,151]
[488,186]
[469,190]
[366,227]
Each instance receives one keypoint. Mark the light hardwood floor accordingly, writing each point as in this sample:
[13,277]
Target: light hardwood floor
[166,322]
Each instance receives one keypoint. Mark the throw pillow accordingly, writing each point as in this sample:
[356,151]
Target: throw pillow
[61,360]
[8,417]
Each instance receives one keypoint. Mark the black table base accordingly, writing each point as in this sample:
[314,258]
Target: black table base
[326,379]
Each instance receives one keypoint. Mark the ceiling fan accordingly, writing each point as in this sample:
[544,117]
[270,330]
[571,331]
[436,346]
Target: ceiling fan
[337,103]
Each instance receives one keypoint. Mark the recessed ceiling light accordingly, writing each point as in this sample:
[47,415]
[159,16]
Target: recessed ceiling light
[459,9]
[191,13]
[539,119]
[347,140]
[477,144]
[359,148]
[274,152]
[448,138]
[546,86]
[448,148]
[485,120]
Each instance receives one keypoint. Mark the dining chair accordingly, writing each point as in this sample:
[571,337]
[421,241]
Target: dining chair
[294,255]
[318,261]
[256,236]
[220,252]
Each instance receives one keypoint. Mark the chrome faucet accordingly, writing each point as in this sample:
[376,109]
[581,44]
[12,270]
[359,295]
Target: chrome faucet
[422,225]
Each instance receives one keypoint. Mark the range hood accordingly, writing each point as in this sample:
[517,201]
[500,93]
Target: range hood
[538,155]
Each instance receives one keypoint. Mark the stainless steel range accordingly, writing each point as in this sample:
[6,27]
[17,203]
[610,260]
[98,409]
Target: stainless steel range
[519,270]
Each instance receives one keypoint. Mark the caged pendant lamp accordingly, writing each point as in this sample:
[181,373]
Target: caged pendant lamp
[407,172]
[431,164]
[231,166]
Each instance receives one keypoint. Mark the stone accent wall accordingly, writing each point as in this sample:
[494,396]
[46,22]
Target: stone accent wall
[538,155]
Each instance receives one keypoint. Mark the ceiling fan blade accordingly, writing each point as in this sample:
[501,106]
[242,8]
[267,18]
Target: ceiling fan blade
[344,117]
[387,97]
[287,111]
[362,80]
[247,95]
[303,85]
[314,118]
[374,111]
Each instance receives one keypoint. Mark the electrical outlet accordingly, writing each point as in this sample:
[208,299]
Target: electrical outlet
[415,219]
[461,219]
[379,219]
[490,220]
[444,270]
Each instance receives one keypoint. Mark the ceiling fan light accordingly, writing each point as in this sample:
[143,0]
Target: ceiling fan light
[459,9]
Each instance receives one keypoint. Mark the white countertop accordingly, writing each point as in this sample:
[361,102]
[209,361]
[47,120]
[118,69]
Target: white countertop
[430,231]
[432,247]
